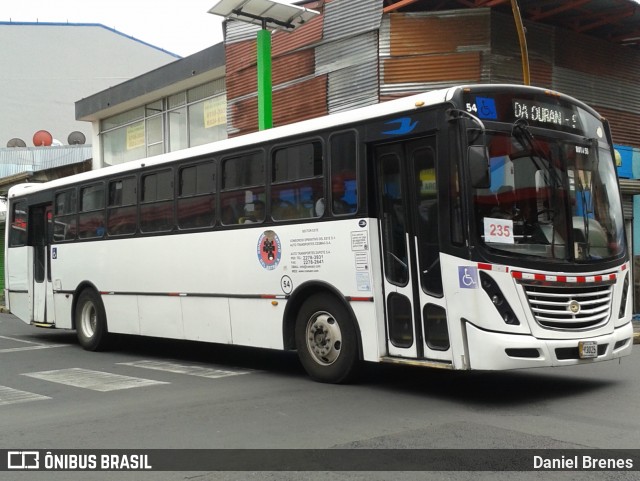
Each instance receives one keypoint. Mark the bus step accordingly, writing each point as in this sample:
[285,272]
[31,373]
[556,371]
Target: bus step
[43,324]
[417,362]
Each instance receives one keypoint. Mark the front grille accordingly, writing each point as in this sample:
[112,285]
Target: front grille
[570,306]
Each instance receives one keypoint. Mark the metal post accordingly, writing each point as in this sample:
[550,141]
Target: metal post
[523,42]
[265,109]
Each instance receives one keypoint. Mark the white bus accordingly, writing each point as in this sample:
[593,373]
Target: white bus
[476,227]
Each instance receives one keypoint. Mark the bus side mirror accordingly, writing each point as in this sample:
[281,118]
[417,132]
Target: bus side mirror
[478,158]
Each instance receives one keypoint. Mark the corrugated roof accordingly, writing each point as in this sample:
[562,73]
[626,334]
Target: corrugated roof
[17,160]
[617,21]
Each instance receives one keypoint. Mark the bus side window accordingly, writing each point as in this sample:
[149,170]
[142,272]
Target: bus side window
[64,222]
[18,233]
[196,205]
[243,186]
[156,201]
[344,190]
[121,207]
[91,216]
[296,177]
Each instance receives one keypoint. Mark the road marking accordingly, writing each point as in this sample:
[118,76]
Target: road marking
[13,396]
[33,346]
[187,369]
[94,380]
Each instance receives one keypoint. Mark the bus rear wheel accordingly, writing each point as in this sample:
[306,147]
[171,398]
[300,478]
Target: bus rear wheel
[91,321]
[326,340]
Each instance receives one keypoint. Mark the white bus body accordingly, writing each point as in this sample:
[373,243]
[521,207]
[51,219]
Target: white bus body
[347,287]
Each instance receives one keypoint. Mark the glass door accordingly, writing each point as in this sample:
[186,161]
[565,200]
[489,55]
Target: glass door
[408,206]
[41,229]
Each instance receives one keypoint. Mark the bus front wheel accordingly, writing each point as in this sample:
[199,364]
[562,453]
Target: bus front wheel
[91,321]
[326,340]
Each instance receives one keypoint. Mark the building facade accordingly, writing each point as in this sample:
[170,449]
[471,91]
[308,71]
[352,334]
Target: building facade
[362,52]
[46,67]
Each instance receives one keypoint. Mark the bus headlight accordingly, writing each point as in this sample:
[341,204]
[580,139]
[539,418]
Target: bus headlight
[498,299]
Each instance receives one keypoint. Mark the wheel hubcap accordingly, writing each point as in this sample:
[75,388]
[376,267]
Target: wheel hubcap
[88,320]
[324,338]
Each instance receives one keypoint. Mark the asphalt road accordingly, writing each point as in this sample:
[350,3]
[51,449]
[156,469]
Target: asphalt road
[157,394]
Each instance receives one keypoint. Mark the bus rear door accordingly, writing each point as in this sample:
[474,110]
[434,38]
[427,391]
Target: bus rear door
[408,211]
[41,225]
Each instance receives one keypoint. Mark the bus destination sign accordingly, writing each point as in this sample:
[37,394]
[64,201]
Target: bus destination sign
[535,109]
[540,113]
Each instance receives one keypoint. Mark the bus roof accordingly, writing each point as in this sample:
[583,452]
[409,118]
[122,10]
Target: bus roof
[403,104]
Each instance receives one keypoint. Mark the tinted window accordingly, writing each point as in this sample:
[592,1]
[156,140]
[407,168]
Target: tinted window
[344,192]
[91,217]
[64,223]
[297,191]
[156,202]
[196,196]
[18,233]
[243,180]
[121,207]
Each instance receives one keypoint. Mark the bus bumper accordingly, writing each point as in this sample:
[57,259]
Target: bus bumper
[499,351]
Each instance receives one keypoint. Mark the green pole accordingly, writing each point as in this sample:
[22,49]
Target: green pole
[265,111]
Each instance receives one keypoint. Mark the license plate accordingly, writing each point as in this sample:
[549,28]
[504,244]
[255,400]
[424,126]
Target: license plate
[588,349]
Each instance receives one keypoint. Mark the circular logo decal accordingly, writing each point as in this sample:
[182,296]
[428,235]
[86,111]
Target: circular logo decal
[269,250]
[362,223]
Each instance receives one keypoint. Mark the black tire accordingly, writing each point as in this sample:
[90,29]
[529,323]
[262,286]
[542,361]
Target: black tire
[326,340]
[91,321]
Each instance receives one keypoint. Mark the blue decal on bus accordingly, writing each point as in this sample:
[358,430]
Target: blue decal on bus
[404,126]
[486,108]
[468,277]
[269,250]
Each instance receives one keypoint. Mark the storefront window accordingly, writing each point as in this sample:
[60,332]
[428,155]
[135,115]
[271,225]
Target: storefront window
[186,119]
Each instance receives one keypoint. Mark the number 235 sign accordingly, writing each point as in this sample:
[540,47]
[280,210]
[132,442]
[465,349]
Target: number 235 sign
[498,230]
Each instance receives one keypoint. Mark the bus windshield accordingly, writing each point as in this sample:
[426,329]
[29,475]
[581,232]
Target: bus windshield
[551,197]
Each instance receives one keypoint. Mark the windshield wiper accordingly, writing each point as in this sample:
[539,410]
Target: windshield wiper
[520,131]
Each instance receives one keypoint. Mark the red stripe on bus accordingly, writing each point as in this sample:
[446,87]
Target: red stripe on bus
[360,299]
[563,278]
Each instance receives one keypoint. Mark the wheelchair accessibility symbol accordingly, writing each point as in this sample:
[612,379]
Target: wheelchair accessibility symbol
[468,277]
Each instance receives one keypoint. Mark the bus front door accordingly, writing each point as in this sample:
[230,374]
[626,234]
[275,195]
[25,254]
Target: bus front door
[408,211]
[41,224]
